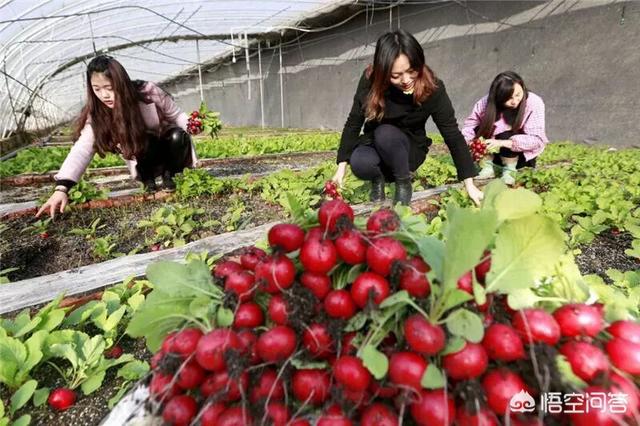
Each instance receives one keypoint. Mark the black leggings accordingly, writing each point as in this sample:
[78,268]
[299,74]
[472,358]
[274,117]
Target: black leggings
[171,153]
[387,156]
[507,153]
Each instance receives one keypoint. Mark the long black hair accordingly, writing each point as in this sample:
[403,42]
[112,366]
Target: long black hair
[121,128]
[500,92]
[389,46]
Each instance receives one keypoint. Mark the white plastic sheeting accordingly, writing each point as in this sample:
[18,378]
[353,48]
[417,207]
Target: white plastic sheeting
[45,44]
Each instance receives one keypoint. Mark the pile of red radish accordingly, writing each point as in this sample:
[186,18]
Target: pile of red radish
[194,125]
[287,359]
[478,149]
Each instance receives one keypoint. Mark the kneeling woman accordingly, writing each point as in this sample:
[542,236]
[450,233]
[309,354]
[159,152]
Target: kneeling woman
[511,119]
[136,119]
[395,97]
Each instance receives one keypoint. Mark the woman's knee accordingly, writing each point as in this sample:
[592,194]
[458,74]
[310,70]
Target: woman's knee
[364,167]
[177,137]
[389,136]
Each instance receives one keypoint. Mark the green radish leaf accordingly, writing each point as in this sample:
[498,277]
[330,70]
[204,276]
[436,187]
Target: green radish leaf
[93,383]
[224,317]
[433,378]
[432,251]
[526,249]
[375,361]
[491,192]
[454,344]
[176,279]
[523,298]
[400,297]
[40,396]
[567,372]
[118,396]
[479,293]
[134,370]
[455,297]
[23,420]
[22,395]
[355,271]
[466,324]
[469,233]
[356,322]
[516,204]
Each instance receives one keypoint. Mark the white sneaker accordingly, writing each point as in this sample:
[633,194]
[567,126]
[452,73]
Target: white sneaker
[509,177]
[487,171]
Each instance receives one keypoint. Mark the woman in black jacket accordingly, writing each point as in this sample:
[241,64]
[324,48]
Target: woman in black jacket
[395,97]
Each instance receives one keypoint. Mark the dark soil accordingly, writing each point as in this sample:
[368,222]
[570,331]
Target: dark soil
[606,251]
[35,256]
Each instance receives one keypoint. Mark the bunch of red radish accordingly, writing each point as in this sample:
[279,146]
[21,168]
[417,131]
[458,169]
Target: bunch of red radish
[194,125]
[286,359]
[478,149]
[331,189]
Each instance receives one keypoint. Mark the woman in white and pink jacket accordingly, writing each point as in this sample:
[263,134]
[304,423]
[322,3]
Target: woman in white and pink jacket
[136,119]
[511,120]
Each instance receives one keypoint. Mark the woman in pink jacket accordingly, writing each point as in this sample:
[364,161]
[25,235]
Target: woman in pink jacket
[511,119]
[136,119]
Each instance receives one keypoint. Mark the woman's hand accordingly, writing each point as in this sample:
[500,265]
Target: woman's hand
[338,178]
[58,200]
[474,193]
[494,145]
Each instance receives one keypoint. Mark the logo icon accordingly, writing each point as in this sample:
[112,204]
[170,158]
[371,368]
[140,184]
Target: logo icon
[522,402]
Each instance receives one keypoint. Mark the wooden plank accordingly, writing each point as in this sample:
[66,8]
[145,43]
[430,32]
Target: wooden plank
[20,294]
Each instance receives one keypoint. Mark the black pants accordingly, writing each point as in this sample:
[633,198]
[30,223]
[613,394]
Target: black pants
[387,156]
[507,153]
[170,153]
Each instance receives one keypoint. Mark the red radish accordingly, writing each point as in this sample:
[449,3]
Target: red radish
[383,391]
[334,211]
[299,422]
[414,279]
[422,336]
[235,416]
[180,410]
[351,373]
[433,408]
[383,221]
[502,343]
[318,256]
[311,386]
[315,233]
[346,346]
[223,269]
[319,284]
[465,283]
[339,304]
[483,267]
[625,355]
[406,369]
[241,283]
[358,398]
[167,342]
[383,253]
[251,256]
[483,417]
[269,387]
[190,375]
[278,413]
[369,285]
[276,273]
[286,237]
[536,325]
[277,344]
[186,341]
[221,384]
[155,247]
[61,399]
[278,309]
[351,247]
[594,414]
[334,417]
[468,363]
[156,359]
[163,387]
[579,319]
[500,385]
[114,352]
[620,384]
[248,341]
[210,414]
[522,420]
[378,414]
[586,359]
[317,340]
[248,315]
[213,345]
[627,330]
[331,189]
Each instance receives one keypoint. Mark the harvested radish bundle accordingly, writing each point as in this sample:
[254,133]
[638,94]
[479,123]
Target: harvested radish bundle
[331,190]
[328,323]
[204,120]
[478,149]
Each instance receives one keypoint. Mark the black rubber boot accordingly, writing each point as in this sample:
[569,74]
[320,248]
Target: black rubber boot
[403,191]
[377,190]
[167,182]
[149,186]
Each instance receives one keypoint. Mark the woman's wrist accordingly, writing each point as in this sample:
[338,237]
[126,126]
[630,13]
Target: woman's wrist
[61,188]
